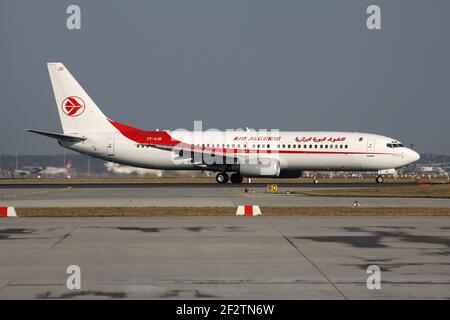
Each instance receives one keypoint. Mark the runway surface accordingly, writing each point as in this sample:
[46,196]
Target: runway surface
[193,185]
[226,257]
[192,196]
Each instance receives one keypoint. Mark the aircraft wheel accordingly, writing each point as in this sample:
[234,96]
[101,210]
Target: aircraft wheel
[222,177]
[236,178]
[379,179]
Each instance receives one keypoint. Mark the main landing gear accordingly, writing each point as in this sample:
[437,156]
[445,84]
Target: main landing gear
[379,179]
[236,178]
[222,178]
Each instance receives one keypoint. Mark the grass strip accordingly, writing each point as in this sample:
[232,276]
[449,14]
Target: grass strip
[227,211]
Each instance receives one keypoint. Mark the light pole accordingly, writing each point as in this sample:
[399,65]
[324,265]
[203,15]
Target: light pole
[64,157]
[17,158]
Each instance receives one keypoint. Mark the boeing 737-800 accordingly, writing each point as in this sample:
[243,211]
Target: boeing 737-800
[239,153]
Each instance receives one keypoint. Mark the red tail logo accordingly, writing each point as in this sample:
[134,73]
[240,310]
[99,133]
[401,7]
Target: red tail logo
[73,106]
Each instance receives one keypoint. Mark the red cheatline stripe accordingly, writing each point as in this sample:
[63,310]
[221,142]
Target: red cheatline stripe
[248,210]
[232,152]
[220,151]
[3,211]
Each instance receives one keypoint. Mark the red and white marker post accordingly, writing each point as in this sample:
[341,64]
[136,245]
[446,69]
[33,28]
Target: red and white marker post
[6,212]
[248,211]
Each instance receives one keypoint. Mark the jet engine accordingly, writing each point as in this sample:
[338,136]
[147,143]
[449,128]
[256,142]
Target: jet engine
[262,167]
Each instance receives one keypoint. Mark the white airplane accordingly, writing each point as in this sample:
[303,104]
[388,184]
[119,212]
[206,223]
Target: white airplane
[240,153]
[38,172]
[28,171]
[128,170]
[54,171]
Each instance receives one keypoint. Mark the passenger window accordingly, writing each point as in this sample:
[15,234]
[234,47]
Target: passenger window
[341,146]
[268,146]
[305,146]
[315,146]
[346,146]
[289,146]
[326,146]
[331,146]
[321,146]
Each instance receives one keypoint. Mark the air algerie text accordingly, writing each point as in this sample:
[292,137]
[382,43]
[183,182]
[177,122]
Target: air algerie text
[257,138]
[193,310]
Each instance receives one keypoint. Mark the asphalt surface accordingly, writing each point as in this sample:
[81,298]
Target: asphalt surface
[225,257]
[169,195]
[192,185]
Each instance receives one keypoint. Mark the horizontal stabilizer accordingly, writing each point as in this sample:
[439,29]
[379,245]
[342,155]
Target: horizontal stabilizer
[59,136]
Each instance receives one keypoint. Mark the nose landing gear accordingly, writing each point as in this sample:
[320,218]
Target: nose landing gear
[379,179]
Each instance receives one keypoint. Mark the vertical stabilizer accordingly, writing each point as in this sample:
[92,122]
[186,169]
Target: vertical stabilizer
[78,112]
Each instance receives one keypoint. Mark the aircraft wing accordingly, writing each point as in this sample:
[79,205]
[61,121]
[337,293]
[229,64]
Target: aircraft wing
[185,152]
[59,136]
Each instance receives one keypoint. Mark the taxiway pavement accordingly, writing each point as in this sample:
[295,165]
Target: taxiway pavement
[191,196]
[226,257]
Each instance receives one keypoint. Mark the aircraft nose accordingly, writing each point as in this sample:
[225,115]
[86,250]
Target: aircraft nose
[412,156]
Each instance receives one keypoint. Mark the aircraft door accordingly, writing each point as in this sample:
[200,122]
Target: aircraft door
[371,145]
[110,147]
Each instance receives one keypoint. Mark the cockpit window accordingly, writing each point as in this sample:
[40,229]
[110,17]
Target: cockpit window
[394,145]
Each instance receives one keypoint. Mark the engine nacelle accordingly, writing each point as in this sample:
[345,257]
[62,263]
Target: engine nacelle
[263,167]
[284,173]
